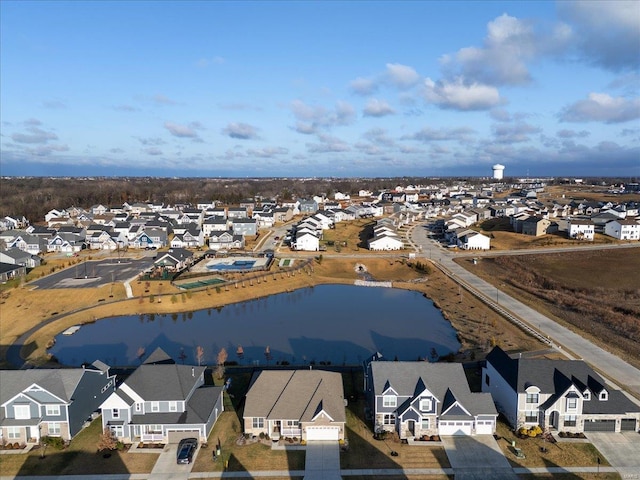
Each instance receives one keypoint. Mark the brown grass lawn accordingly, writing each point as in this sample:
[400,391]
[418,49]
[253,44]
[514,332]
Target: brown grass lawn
[594,292]
[564,454]
[80,458]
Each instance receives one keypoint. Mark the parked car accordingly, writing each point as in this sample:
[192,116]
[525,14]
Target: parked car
[186,449]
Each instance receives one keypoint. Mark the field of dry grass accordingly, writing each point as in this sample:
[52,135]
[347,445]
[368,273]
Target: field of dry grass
[594,292]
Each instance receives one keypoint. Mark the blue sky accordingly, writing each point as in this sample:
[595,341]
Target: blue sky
[331,88]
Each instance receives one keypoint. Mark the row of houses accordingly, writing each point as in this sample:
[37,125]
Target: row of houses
[163,401]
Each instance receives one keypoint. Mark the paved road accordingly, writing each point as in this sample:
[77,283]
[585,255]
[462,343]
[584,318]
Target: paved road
[619,372]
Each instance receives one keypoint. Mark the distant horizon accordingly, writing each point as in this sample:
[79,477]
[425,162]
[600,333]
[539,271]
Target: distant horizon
[320,89]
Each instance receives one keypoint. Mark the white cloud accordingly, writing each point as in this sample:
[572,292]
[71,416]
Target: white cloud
[268,152]
[608,33]
[428,134]
[163,100]
[46,150]
[310,119]
[363,86]
[514,133]
[402,76]
[153,151]
[150,141]
[125,108]
[241,131]
[601,107]
[378,136]
[565,133]
[34,135]
[458,96]
[377,108]
[54,104]
[180,131]
[328,144]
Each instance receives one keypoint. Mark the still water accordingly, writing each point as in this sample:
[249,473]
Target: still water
[336,324]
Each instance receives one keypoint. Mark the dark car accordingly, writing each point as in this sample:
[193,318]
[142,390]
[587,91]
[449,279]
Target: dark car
[186,449]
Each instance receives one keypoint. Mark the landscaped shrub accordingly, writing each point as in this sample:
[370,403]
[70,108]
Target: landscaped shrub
[54,442]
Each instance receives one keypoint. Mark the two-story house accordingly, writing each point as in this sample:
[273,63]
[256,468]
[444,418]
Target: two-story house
[50,402]
[163,402]
[560,395]
[422,398]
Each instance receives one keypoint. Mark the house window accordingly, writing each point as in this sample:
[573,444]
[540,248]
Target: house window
[173,406]
[570,420]
[587,395]
[52,410]
[22,411]
[155,406]
[572,403]
[424,424]
[153,429]
[13,433]
[389,401]
[389,419]
[532,398]
[258,423]
[54,428]
[291,423]
[487,380]
[531,416]
[115,413]
[603,395]
[425,404]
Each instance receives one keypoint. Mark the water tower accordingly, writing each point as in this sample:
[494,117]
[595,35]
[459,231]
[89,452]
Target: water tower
[498,171]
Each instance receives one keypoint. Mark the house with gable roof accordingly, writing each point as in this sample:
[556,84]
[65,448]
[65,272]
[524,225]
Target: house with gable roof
[162,401]
[50,402]
[307,404]
[421,398]
[623,229]
[560,395]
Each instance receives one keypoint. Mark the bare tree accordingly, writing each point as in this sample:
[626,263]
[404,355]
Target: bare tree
[199,354]
[107,440]
[222,357]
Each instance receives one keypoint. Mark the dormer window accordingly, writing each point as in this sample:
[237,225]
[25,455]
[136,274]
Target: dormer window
[389,401]
[604,395]
[425,404]
[587,395]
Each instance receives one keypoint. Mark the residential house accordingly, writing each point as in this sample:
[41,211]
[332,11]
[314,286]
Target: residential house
[193,237]
[164,402]
[535,226]
[306,240]
[282,214]
[15,256]
[580,229]
[236,212]
[244,226]
[9,271]
[472,240]
[225,241]
[627,229]
[150,238]
[32,244]
[214,224]
[560,395]
[415,399]
[308,207]
[51,402]
[307,404]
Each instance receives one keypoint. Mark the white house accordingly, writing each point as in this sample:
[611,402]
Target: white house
[307,241]
[627,229]
[581,229]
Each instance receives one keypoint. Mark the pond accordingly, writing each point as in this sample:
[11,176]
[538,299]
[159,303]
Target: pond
[326,324]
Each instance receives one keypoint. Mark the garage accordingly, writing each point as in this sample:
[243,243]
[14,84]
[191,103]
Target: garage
[174,436]
[628,425]
[593,425]
[455,428]
[484,427]
[323,433]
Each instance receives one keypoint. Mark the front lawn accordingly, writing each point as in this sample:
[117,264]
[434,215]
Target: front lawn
[80,458]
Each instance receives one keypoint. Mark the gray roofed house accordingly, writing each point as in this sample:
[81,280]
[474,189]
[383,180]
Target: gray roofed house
[307,404]
[51,402]
[415,399]
[162,401]
[560,395]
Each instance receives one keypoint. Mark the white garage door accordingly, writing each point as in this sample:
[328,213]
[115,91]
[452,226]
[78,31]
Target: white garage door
[455,428]
[323,433]
[484,427]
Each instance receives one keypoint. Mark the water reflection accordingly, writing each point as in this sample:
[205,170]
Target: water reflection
[327,324]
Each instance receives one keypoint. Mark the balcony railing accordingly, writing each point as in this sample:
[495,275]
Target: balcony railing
[152,437]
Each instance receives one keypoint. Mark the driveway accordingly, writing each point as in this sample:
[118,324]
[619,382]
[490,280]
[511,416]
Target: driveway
[322,461]
[166,467]
[622,450]
[477,458]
